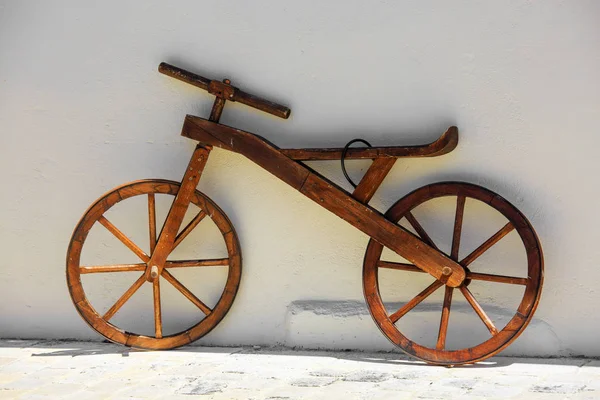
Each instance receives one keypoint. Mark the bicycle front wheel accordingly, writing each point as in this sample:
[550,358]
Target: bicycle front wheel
[107,280]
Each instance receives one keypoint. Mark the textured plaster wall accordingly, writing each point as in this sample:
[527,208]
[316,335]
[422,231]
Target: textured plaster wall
[83,109]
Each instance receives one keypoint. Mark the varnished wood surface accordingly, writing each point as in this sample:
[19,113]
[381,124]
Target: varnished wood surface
[373,178]
[188,228]
[152,221]
[415,301]
[168,234]
[123,299]
[458,222]
[441,342]
[225,91]
[157,309]
[123,238]
[443,145]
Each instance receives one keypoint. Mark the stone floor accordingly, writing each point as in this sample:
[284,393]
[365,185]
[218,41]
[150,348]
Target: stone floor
[84,370]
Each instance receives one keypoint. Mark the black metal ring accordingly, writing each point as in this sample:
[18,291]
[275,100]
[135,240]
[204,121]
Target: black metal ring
[344,156]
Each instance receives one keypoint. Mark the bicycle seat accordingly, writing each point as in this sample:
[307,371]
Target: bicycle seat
[444,144]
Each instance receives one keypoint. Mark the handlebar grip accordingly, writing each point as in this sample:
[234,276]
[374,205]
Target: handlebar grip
[261,104]
[238,95]
[183,75]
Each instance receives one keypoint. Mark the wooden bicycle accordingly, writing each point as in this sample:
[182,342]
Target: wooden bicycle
[415,246]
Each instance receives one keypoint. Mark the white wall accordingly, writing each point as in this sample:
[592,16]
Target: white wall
[83,109]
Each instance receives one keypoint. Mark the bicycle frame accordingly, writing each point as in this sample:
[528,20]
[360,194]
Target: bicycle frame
[351,208]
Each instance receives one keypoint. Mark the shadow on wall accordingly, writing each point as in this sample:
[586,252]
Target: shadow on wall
[312,324]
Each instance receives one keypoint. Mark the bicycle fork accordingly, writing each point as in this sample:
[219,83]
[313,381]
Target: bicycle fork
[191,178]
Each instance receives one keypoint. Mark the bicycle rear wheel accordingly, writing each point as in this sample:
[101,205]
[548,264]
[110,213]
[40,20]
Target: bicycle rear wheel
[508,282]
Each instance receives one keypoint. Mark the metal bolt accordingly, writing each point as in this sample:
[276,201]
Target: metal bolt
[446,271]
[154,272]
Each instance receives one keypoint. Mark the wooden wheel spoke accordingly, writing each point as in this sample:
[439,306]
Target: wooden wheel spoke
[441,342]
[398,266]
[506,229]
[189,295]
[189,227]
[479,310]
[124,239]
[496,278]
[152,221]
[458,221]
[415,301]
[123,299]
[112,268]
[419,228]
[157,309]
[197,263]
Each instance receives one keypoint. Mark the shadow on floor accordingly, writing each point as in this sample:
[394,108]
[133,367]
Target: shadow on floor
[57,348]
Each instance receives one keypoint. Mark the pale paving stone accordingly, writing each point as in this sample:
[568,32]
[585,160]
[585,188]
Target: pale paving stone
[496,391]
[7,360]
[557,387]
[11,394]
[313,382]
[55,390]
[101,371]
[26,382]
[403,385]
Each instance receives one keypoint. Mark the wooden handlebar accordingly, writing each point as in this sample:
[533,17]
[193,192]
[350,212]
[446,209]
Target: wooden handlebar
[224,90]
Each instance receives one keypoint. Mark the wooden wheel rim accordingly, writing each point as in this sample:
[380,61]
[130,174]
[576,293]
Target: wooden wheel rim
[525,309]
[112,332]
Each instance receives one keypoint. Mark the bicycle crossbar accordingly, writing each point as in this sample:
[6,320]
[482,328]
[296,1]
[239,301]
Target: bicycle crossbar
[327,194]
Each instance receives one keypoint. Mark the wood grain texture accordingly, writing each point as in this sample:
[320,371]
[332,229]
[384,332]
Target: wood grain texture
[485,246]
[186,292]
[458,221]
[152,221]
[224,90]
[179,207]
[419,229]
[188,228]
[479,310]
[124,239]
[251,146]
[373,178]
[398,266]
[415,301]
[477,276]
[197,263]
[112,268]
[123,299]
[443,145]
[157,309]
[441,342]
